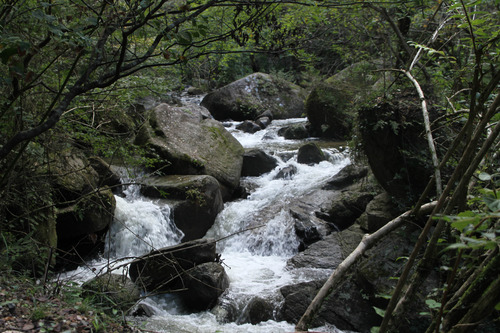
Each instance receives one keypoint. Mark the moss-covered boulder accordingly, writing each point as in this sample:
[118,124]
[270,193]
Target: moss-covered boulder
[331,105]
[188,143]
[247,98]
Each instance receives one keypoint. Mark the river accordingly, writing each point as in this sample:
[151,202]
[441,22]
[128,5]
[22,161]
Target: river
[255,260]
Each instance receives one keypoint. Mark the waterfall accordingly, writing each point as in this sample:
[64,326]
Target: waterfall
[257,235]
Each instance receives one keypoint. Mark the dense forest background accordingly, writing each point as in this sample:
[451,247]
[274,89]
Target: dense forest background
[70,69]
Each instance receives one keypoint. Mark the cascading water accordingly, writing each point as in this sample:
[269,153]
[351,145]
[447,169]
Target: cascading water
[261,240]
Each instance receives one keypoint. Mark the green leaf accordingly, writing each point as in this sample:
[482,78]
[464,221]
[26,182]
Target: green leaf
[484,176]
[432,304]
[379,311]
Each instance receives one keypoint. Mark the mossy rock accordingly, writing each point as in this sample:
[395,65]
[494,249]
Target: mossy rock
[331,105]
[113,291]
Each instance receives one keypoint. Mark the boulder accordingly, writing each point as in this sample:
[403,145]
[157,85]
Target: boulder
[247,98]
[84,208]
[263,122]
[286,172]
[294,132]
[204,283]
[307,231]
[107,177]
[346,177]
[325,253]
[248,126]
[378,212]
[257,162]
[257,310]
[190,144]
[164,270]
[112,290]
[331,105]
[195,200]
[310,153]
[347,208]
[350,306]
[393,141]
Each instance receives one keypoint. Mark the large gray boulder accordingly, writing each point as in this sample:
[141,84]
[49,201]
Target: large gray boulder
[247,98]
[195,200]
[190,144]
[331,105]
[326,253]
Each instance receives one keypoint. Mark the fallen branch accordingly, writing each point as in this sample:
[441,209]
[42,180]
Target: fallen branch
[366,243]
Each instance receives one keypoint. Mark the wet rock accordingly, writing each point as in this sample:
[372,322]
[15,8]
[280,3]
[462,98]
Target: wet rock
[263,122]
[310,153]
[256,162]
[163,270]
[305,228]
[195,200]
[295,132]
[286,172]
[256,311]
[204,283]
[249,126]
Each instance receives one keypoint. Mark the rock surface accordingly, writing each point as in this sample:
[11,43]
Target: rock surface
[190,144]
[195,200]
[247,98]
[310,153]
[256,162]
[331,105]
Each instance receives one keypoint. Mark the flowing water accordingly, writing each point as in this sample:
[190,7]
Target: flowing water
[255,255]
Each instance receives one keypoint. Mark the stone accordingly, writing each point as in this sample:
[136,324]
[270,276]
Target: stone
[114,290]
[256,162]
[346,177]
[257,310]
[190,144]
[204,283]
[286,172]
[325,253]
[248,126]
[195,200]
[245,99]
[378,212]
[163,270]
[310,153]
[294,132]
[331,105]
